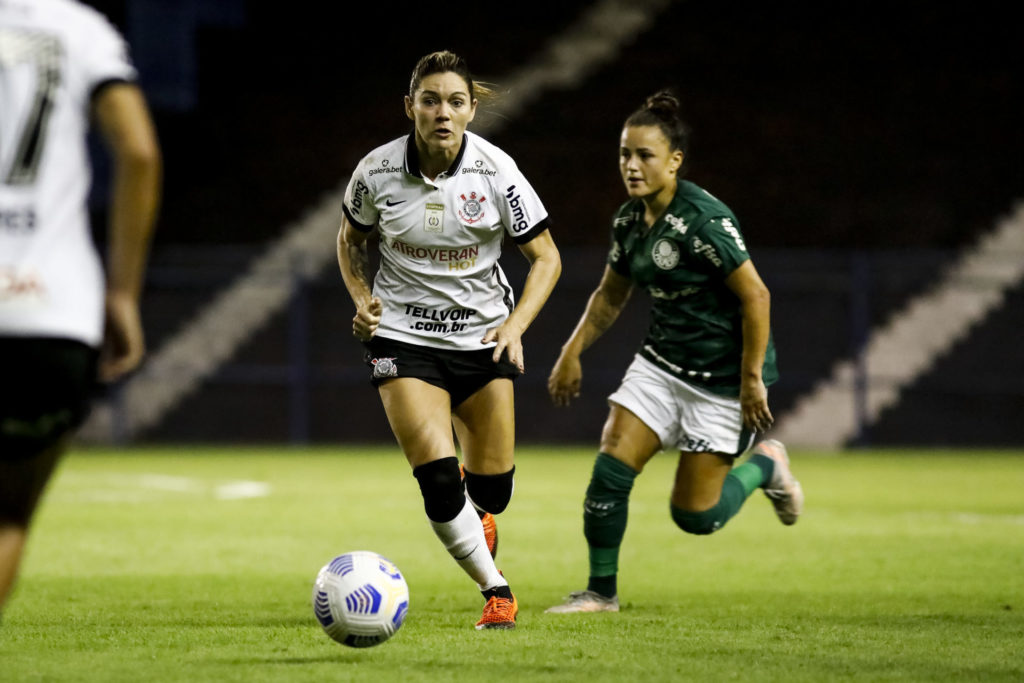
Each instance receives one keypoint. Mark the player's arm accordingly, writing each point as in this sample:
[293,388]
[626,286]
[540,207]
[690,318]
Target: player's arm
[603,308]
[354,262]
[545,267]
[755,303]
[125,125]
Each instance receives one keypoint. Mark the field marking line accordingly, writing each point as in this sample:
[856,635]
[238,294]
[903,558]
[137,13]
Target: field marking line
[148,487]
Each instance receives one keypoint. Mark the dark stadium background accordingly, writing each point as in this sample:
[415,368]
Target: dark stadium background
[860,144]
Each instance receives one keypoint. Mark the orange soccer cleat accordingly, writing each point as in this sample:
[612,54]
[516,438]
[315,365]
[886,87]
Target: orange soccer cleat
[499,613]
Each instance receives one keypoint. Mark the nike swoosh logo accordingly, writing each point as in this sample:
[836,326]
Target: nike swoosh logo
[391,203]
[467,554]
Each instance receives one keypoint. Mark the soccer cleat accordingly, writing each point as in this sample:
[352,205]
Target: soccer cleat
[783,490]
[499,613]
[490,533]
[585,601]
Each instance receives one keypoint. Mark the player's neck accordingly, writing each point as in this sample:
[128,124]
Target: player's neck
[434,162]
[656,204]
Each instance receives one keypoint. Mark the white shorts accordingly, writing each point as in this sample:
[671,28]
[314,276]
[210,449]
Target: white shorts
[683,416]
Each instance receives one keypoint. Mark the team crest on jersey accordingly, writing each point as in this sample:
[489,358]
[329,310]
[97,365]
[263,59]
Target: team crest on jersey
[384,367]
[665,254]
[472,207]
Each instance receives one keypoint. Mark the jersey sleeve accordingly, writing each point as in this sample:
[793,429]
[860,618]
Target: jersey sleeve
[104,57]
[521,210]
[718,247]
[617,259]
[358,204]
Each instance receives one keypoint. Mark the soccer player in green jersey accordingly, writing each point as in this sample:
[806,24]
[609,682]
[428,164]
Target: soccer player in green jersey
[698,382]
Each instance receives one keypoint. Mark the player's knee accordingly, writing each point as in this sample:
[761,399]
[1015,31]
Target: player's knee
[490,492]
[441,485]
[700,523]
[611,478]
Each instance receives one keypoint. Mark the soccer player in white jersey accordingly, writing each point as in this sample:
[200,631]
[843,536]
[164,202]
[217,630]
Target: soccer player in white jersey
[61,325]
[698,382]
[443,338]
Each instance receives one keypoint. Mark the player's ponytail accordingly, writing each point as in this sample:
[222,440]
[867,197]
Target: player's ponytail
[662,109]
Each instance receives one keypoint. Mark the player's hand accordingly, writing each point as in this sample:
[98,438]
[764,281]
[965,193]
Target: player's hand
[367,318]
[508,339]
[123,342]
[564,380]
[754,405]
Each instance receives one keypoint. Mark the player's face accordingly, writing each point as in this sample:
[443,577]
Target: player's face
[441,109]
[646,163]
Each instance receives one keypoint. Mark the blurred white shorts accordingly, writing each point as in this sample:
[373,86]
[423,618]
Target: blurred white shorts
[684,417]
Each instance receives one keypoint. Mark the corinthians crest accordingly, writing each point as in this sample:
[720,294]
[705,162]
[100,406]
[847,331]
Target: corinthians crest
[384,367]
[472,207]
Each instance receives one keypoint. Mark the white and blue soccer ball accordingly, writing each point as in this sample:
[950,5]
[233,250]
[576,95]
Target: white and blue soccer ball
[360,598]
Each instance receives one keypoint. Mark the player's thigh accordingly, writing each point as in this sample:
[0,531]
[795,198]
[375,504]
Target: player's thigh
[22,481]
[485,426]
[699,480]
[627,438]
[46,386]
[420,417]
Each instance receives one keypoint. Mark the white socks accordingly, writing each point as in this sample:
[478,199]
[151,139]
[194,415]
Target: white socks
[463,537]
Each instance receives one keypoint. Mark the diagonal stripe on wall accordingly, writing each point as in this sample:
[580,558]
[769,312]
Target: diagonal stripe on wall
[905,348]
[215,334]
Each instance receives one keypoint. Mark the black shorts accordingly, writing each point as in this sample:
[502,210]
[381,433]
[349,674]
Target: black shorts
[460,373]
[45,393]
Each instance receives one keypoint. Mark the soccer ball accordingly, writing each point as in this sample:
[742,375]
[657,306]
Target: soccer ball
[360,598]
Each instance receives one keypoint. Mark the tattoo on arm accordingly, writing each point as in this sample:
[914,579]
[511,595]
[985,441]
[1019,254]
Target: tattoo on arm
[359,258]
[601,313]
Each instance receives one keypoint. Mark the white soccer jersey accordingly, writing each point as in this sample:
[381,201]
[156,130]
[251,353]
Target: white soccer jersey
[439,277]
[54,55]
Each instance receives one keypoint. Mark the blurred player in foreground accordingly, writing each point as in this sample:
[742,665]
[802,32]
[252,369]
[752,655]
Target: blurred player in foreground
[698,383]
[443,339]
[62,326]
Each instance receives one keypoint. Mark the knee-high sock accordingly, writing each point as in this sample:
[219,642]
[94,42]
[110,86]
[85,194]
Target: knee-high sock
[737,487]
[463,537]
[605,512]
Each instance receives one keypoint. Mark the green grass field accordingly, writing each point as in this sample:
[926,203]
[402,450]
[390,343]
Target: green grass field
[197,565]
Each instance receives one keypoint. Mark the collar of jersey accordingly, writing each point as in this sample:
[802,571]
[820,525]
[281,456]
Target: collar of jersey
[412,156]
[636,212]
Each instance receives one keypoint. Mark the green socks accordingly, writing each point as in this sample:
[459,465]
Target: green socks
[605,511]
[739,484]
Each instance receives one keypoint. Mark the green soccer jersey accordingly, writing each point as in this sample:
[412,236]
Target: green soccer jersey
[696,330]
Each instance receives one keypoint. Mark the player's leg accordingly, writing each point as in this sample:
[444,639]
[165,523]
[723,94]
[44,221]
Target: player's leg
[420,417]
[642,419]
[707,493]
[22,480]
[12,543]
[627,445]
[708,490]
[485,425]
[45,393]
[703,500]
